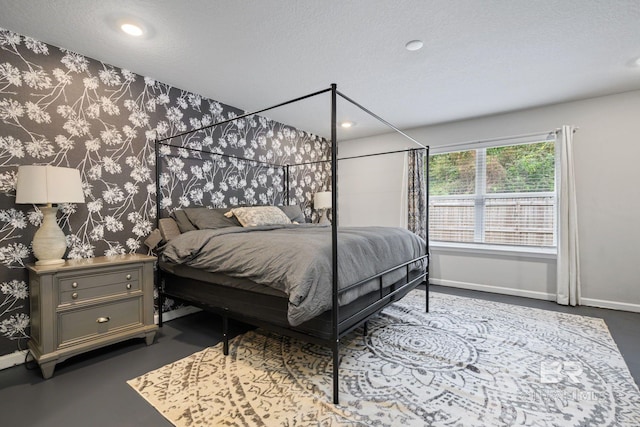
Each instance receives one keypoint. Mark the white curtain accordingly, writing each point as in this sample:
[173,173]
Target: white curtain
[568,268]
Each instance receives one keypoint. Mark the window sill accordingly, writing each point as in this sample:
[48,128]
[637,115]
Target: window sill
[485,249]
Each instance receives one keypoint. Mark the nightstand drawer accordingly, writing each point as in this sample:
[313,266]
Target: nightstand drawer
[88,286]
[89,322]
[98,291]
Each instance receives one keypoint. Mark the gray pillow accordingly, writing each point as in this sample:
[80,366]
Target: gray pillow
[294,213]
[183,221]
[168,229]
[203,218]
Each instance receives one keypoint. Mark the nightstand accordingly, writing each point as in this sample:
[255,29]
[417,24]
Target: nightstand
[89,303]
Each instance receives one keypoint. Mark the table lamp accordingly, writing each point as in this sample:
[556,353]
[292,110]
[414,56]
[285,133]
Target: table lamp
[48,185]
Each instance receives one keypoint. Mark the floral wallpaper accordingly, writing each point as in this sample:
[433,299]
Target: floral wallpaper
[60,108]
[240,163]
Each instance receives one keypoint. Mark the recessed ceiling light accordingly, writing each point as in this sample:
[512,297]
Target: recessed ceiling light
[414,45]
[634,62]
[347,125]
[132,29]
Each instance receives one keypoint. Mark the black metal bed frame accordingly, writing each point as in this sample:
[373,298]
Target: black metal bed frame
[340,327]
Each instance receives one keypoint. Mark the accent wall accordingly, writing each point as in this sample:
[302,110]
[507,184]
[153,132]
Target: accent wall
[64,109]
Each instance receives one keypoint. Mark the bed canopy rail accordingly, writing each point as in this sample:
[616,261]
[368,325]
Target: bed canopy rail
[242,116]
[161,142]
[378,118]
[340,326]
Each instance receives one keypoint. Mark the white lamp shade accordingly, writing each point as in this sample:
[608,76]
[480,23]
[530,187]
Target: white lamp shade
[322,200]
[48,184]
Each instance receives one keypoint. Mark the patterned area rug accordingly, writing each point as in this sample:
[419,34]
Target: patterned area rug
[466,363]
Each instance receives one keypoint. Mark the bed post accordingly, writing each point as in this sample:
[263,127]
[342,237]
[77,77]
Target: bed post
[426,224]
[286,185]
[156,276]
[225,335]
[160,300]
[334,242]
[158,193]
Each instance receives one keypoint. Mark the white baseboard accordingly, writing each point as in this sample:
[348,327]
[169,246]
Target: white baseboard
[590,302]
[12,359]
[494,289]
[174,314]
[613,305]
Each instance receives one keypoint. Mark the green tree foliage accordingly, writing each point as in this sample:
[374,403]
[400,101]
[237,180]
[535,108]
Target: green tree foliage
[452,173]
[521,168]
[510,169]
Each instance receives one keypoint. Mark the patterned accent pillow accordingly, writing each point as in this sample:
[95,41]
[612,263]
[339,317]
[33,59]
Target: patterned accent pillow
[259,215]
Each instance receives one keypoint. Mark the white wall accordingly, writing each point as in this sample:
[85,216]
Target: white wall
[607,154]
[371,188]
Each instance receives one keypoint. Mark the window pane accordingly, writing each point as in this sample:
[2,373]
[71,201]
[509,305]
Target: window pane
[452,173]
[527,221]
[513,202]
[451,220]
[521,168]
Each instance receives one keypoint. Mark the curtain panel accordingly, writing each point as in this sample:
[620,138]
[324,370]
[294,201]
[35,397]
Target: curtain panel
[568,263]
[417,193]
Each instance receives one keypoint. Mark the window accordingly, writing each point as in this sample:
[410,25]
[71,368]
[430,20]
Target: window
[501,195]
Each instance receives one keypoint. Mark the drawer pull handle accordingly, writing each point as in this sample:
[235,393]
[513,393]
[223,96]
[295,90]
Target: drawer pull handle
[128,277]
[74,285]
[128,285]
[102,319]
[74,295]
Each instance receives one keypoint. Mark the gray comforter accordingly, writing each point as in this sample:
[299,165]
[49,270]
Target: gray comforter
[296,259]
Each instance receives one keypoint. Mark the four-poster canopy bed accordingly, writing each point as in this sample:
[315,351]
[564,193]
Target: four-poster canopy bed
[312,282]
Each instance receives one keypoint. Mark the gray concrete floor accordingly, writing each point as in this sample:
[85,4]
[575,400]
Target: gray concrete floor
[91,389]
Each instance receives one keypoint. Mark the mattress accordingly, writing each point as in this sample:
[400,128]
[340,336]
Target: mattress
[296,260]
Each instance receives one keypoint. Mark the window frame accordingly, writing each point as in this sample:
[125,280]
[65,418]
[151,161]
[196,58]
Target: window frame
[480,196]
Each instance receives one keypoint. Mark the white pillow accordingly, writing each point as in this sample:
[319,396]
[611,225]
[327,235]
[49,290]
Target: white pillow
[259,215]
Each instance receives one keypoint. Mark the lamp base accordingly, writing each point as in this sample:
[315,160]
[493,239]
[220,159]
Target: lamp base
[49,243]
[324,219]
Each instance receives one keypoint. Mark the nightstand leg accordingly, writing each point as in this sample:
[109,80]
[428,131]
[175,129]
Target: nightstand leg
[149,337]
[47,369]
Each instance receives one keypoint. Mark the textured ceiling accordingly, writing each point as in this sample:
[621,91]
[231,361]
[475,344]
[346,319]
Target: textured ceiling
[479,57]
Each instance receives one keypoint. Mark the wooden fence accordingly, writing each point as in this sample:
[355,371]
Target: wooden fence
[527,221]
